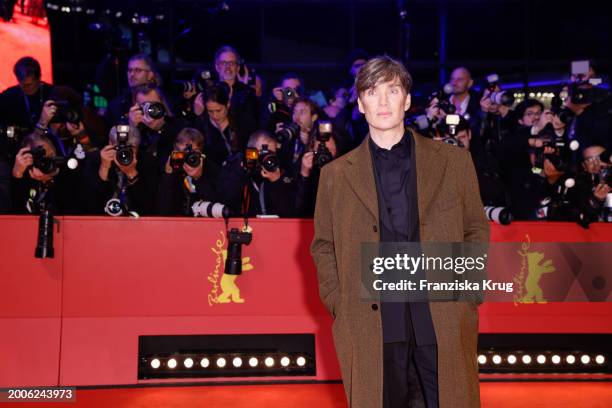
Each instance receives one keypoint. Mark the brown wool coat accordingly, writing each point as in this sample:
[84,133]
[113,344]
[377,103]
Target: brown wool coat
[450,210]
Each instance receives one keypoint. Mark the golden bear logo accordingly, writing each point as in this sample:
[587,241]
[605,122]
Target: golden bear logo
[534,264]
[226,284]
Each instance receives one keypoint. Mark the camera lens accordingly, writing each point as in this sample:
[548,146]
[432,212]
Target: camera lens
[270,162]
[113,207]
[155,110]
[124,155]
[193,159]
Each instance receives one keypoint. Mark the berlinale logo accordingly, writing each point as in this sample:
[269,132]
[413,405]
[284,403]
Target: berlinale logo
[533,266]
[224,287]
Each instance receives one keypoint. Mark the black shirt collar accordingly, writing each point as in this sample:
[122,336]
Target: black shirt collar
[402,147]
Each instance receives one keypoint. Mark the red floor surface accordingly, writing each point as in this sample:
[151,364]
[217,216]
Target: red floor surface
[493,395]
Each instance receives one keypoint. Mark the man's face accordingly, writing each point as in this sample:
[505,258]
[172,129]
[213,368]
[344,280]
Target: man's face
[384,105]
[461,81]
[217,112]
[356,66]
[464,136]
[227,66]
[139,73]
[531,116]
[303,116]
[591,162]
[152,96]
[30,85]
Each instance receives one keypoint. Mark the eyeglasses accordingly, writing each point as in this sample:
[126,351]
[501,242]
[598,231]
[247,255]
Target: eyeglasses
[137,70]
[227,63]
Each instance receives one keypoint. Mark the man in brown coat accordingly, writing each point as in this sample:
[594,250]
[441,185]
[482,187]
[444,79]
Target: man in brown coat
[397,186]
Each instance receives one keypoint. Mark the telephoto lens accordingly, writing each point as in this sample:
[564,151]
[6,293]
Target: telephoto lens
[500,215]
[154,110]
[209,209]
[44,246]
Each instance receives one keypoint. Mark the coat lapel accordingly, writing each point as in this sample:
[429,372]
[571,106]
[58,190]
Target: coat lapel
[360,176]
[430,171]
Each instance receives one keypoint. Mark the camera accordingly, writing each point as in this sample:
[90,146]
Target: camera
[563,148]
[125,155]
[236,238]
[443,96]
[256,160]
[190,157]
[154,110]
[252,73]
[584,92]
[288,132]
[498,97]
[453,124]
[605,175]
[209,209]
[49,165]
[199,83]
[499,215]
[288,93]
[66,113]
[322,155]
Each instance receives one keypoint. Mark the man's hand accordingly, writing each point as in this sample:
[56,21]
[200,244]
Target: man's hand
[307,163]
[272,176]
[23,160]
[48,112]
[135,115]
[278,94]
[537,143]
[244,78]
[77,130]
[601,191]
[545,118]
[107,157]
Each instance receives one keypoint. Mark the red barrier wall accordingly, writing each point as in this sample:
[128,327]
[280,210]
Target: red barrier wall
[75,319]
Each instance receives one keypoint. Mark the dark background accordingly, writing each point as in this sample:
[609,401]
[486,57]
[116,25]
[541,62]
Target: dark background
[521,40]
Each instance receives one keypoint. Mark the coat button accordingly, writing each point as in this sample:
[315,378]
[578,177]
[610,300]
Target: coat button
[374,307]
[375,228]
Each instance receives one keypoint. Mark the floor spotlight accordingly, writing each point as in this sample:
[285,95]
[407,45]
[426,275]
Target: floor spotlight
[556,359]
[172,363]
[301,361]
[526,359]
[600,359]
[482,359]
[285,361]
[188,363]
[237,362]
[269,362]
[155,363]
[570,359]
[585,359]
[253,362]
[221,362]
[205,362]
[541,359]
[511,359]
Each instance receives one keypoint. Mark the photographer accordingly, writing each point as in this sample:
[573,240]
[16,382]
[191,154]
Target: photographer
[155,122]
[321,151]
[338,114]
[498,120]
[279,108]
[21,105]
[38,182]
[188,176]
[492,191]
[140,72]
[593,184]
[258,186]
[244,108]
[121,178]
[221,137]
[592,107]
[295,138]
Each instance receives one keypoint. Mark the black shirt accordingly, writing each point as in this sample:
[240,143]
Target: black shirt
[395,176]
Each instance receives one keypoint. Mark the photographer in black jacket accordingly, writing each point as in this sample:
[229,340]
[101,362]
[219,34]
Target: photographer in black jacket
[188,176]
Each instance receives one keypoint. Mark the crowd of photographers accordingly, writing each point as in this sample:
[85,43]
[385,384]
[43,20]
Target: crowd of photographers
[218,146]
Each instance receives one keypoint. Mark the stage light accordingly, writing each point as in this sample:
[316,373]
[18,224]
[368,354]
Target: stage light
[541,359]
[188,363]
[526,359]
[172,363]
[159,17]
[570,359]
[221,362]
[269,362]
[155,363]
[511,359]
[90,12]
[599,359]
[205,362]
[585,359]
[556,359]
[78,9]
[237,362]
[118,14]
[107,11]
[497,359]
[531,95]
[253,362]
[285,361]
[301,361]
[482,359]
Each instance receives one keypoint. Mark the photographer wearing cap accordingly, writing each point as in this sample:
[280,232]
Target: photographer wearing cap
[37,179]
[157,126]
[244,108]
[121,178]
[140,72]
[188,176]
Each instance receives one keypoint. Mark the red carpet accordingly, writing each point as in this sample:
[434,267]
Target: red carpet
[493,395]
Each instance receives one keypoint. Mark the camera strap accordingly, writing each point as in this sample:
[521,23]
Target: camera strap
[189,185]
